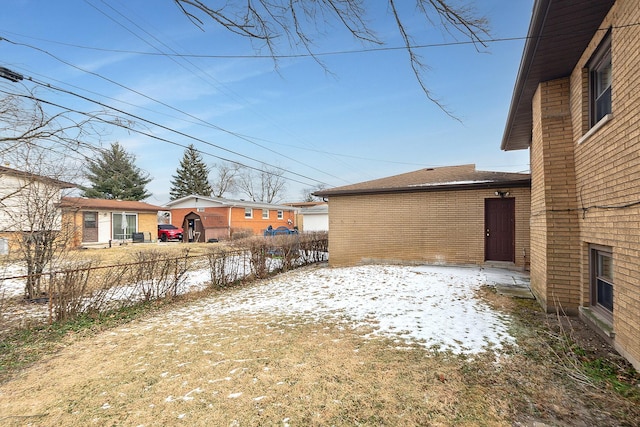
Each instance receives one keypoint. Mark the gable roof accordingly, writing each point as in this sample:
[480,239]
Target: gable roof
[559,33]
[463,177]
[32,176]
[229,203]
[84,203]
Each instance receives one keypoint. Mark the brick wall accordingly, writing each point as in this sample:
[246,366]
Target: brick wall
[148,223]
[257,224]
[555,265]
[425,227]
[607,173]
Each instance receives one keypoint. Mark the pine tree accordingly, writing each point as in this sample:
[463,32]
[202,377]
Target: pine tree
[192,177]
[115,176]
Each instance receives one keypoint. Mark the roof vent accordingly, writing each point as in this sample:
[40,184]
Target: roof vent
[429,169]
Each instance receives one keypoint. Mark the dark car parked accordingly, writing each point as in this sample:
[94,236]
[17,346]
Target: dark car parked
[169,232]
[279,231]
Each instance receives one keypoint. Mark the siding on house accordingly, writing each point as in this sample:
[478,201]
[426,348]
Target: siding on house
[29,202]
[585,182]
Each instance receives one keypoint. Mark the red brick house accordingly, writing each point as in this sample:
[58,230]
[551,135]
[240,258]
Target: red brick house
[205,218]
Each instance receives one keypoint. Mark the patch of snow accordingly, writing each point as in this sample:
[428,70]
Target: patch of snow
[433,306]
[436,184]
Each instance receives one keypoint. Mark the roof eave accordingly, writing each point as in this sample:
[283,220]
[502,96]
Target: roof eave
[550,52]
[428,188]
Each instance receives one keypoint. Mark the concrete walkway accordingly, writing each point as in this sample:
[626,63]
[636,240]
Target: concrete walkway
[512,283]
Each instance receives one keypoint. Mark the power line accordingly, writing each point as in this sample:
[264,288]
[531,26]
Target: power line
[309,55]
[132,129]
[232,133]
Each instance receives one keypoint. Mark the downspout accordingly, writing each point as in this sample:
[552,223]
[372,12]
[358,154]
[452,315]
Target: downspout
[229,227]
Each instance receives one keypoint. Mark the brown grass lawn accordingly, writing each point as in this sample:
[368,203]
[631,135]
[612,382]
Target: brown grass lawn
[255,370]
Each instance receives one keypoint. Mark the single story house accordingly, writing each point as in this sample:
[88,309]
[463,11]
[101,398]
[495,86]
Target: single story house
[452,215]
[103,222]
[205,218]
[576,106]
[28,202]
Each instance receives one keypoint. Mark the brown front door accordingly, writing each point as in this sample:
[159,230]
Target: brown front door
[90,226]
[499,227]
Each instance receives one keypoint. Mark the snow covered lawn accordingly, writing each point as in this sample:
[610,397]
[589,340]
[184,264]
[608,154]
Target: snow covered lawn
[316,346]
[430,305]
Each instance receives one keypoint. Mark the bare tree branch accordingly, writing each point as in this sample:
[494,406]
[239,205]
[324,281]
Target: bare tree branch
[299,23]
[225,179]
[266,185]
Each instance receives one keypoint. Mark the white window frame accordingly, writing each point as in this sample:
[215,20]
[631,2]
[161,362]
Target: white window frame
[280,214]
[248,213]
[265,213]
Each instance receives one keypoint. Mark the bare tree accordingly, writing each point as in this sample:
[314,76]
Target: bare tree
[308,196]
[225,178]
[277,23]
[40,148]
[265,185]
[25,123]
[29,210]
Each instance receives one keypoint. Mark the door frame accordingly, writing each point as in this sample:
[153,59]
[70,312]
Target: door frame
[500,206]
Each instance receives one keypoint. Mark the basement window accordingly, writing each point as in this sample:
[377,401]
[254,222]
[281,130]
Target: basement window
[602,286]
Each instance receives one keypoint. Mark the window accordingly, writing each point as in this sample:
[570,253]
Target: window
[265,213]
[90,219]
[280,215]
[248,213]
[124,225]
[600,79]
[602,280]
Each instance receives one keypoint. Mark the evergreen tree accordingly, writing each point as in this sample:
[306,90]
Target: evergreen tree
[192,177]
[115,176]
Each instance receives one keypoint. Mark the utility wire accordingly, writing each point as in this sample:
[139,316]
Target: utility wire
[168,141]
[141,119]
[218,84]
[309,55]
[232,133]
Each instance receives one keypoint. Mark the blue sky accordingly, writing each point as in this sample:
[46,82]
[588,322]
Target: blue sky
[366,118]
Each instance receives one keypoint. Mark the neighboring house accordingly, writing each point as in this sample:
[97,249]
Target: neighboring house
[576,105]
[205,218]
[28,203]
[454,215]
[312,216]
[104,222]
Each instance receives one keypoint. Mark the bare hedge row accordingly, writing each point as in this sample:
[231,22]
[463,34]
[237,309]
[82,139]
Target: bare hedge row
[86,287]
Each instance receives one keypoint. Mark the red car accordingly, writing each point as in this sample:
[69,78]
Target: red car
[169,232]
